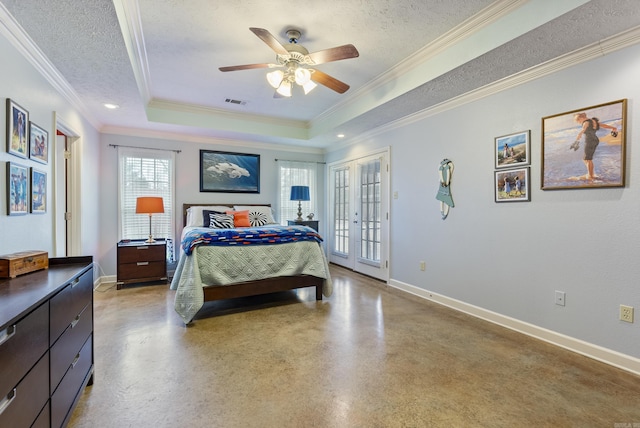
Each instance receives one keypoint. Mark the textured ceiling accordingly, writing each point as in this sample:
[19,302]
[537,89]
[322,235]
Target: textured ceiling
[159,59]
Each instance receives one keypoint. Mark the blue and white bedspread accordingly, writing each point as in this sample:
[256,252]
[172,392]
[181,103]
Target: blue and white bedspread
[212,261]
[268,235]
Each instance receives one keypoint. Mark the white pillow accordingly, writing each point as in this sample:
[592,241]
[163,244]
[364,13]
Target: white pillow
[262,209]
[194,213]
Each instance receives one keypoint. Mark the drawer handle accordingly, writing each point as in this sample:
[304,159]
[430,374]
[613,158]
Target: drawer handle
[6,401]
[142,263]
[75,361]
[8,333]
[144,247]
[75,321]
[75,282]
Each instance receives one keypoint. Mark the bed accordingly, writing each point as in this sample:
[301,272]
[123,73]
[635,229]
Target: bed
[220,262]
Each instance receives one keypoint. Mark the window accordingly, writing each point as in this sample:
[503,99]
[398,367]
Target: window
[293,173]
[146,172]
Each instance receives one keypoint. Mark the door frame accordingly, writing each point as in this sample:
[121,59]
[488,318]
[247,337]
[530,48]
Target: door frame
[351,261]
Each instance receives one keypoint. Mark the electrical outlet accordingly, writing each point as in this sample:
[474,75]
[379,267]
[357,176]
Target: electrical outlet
[626,313]
[423,266]
[560,296]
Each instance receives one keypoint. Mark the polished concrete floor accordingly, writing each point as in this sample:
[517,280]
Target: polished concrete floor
[365,357]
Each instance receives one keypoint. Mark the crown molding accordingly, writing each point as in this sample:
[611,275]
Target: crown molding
[16,35]
[595,50]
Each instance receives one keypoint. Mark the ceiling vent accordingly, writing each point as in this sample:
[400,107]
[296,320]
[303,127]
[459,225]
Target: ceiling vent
[232,101]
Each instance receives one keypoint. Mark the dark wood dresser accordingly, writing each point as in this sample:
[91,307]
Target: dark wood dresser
[46,343]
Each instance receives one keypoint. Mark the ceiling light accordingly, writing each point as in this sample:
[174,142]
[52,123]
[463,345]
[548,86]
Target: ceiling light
[111,106]
[340,135]
[275,78]
[284,89]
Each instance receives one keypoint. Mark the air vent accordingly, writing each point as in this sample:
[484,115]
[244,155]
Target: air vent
[232,101]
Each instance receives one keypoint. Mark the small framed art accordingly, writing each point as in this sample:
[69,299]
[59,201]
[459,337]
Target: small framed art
[513,150]
[512,185]
[229,172]
[585,148]
[17,189]
[38,191]
[17,122]
[38,143]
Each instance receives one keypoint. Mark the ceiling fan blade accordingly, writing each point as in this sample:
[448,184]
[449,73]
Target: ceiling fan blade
[247,67]
[334,54]
[328,81]
[271,41]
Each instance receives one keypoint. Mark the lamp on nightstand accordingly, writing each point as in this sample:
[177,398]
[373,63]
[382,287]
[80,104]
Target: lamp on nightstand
[300,193]
[149,205]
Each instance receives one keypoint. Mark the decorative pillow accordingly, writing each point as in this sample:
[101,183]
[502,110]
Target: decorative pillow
[206,216]
[264,209]
[220,221]
[257,218]
[195,217]
[240,218]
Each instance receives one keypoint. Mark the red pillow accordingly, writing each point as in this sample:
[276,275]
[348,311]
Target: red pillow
[240,218]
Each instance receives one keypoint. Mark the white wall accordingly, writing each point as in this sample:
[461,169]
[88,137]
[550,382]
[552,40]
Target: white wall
[20,81]
[187,181]
[509,258]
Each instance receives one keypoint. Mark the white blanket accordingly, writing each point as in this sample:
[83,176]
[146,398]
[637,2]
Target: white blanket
[225,265]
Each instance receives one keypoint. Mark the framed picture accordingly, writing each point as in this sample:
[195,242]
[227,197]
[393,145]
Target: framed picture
[512,185]
[585,148]
[38,143]
[513,150]
[38,191]
[17,121]
[229,172]
[17,189]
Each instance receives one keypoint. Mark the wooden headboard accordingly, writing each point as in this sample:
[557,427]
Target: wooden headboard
[185,207]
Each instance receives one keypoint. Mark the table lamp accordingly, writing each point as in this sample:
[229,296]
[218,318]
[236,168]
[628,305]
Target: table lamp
[149,205]
[300,193]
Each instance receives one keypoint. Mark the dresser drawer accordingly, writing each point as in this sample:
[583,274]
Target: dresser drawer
[69,302]
[43,418]
[141,253]
[21,346]
[69,388]
[141,270]
[21,405]
[67,346]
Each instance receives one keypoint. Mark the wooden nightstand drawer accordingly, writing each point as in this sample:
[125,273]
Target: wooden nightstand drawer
[141,253]
[141,270]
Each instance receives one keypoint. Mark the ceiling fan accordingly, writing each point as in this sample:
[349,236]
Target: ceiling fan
[296,62]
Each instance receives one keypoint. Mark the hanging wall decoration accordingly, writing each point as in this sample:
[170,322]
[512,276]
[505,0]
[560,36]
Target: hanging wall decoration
[444,191]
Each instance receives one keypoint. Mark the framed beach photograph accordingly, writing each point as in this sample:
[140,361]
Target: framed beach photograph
[38,143]
[513,150]
[229,172]
[17,122]
[585,148]
[512,185]
[17,189]
[38,191]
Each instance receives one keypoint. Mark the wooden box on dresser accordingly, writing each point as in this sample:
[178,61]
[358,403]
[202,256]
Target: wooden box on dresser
[46,343]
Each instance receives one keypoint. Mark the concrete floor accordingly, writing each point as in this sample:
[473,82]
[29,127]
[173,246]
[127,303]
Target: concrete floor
[365,357]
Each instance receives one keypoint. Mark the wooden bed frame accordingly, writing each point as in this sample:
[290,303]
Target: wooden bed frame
[254,288]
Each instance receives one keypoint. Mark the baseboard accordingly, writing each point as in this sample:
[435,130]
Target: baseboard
[608,356]
[104,280]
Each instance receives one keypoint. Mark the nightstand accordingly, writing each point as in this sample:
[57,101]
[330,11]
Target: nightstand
[139,261]
[313,224]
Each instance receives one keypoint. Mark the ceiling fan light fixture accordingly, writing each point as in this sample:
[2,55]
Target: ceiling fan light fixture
[308,87]
[302,76]
[275,78]
[284,89]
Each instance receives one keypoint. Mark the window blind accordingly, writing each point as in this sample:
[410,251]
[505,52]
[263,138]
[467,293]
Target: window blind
[295,173]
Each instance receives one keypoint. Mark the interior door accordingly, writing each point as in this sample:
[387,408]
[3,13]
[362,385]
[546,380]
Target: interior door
[360,207]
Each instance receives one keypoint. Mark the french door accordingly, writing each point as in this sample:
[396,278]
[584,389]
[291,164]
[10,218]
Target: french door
[359,210]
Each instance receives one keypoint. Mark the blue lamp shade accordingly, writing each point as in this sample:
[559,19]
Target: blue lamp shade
[300,193]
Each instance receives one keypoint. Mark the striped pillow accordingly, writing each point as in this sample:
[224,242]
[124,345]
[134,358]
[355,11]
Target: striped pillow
[220,221]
